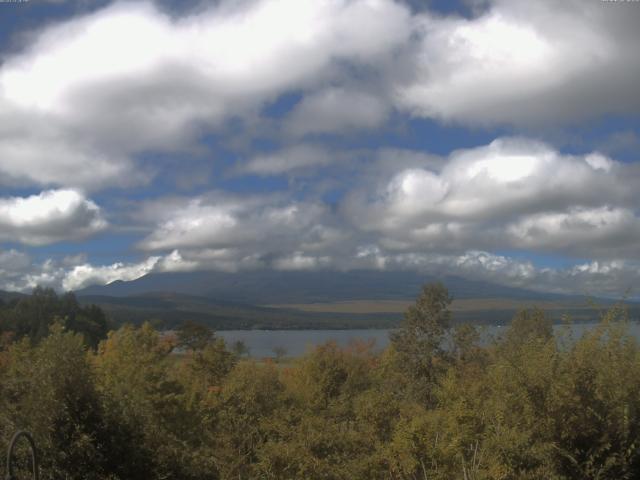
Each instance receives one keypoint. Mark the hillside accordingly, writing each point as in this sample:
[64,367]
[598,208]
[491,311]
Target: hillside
[262,287]
[167,310]
[8,296]
[281,300]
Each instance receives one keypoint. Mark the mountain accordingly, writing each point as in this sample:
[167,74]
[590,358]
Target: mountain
[168,310]
[316,300]
[266,287]
[8,296]
[279,299]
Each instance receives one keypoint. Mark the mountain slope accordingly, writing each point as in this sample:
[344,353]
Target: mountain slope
[8,296]
[169,310]
[307,299]
[274,287]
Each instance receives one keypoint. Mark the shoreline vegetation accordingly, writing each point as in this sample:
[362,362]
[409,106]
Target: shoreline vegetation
[532,404]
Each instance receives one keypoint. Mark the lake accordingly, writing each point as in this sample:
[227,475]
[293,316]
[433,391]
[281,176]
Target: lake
[262,343]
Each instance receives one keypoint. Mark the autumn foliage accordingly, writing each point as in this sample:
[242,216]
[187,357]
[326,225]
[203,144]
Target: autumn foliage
[439,403]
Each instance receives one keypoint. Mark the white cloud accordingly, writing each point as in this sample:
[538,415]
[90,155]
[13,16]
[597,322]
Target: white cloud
[13,266]
[300,261]
[197,225]
[41,149]
[87,97]
[92,92]
[615,278]
[594,232]
[18,271]
[513,193]
[411,210]
[336,110]
[86,274]
[81,100]
[51,216]
[524,62]
[264,225]
[296,158]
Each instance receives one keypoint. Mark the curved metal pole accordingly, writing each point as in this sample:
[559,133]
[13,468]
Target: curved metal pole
[34,455]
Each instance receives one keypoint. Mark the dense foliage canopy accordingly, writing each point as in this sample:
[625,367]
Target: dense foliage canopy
[32,317]
[438,403]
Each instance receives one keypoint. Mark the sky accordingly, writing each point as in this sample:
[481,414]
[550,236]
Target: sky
[496,140]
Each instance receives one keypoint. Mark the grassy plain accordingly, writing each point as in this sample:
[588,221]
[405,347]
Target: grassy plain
[477,310]
[462,305]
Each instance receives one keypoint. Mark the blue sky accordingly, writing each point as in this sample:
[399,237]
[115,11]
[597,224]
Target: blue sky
[495,140]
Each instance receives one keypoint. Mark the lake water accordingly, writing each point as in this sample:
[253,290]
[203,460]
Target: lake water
[262,343]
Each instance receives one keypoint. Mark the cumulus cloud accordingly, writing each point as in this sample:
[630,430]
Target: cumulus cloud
[523,62]
[248,227]
[86,274]
[610,278]
[300,261]
[291,159]
[513,193]
[92,92]
[51,216]
[87,95]
[336,110]
[18,271]
[40,149]
[227,233]
[412,210]
[86,100]
[590,232]
[14,266]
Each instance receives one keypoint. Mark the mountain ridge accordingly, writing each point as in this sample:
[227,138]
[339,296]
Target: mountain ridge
[274,287]
[259,299]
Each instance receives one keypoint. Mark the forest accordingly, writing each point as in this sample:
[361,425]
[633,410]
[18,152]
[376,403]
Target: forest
[135,403]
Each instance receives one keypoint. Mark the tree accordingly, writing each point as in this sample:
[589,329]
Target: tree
[465,342]
[194,336]
[250,394]
[204,370]
[134,376]
[49,390]
[529,326]
[280,353]
[32,317]
[240,348]
[419,340]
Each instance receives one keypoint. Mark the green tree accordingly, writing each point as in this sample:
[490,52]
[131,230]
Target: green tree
[203,371]
[194,336]
[240,348]
[50,391]
[280,352]
[419,340]
[134,371]
[243,406]
[319,429]
[33,315]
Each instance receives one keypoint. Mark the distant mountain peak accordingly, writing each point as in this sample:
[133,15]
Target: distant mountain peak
[273,287]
